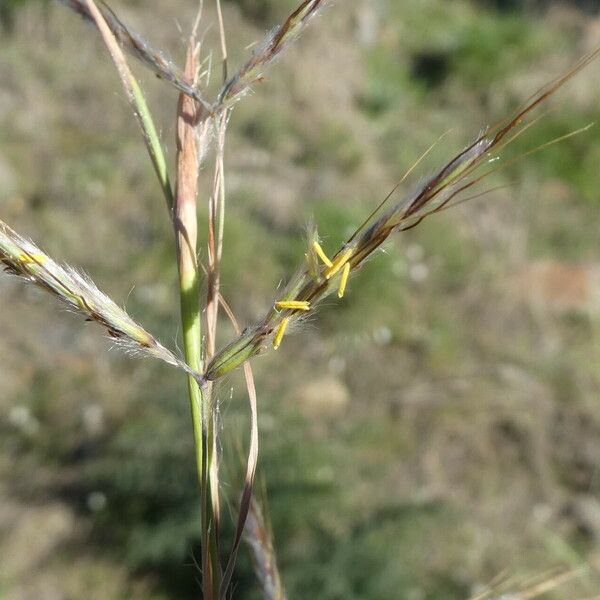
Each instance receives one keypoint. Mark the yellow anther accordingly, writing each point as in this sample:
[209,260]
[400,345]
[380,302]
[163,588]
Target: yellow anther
[292,305]
[321,254]
[280,332]
[32,258]
[339,263]
[344,280]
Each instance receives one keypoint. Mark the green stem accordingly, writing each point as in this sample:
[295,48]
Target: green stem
[192,332]
[153,143]
[185,221]
[183,213]
[192,337]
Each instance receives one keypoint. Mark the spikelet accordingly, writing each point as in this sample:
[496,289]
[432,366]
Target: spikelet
[274,44]
[23,258]
[162,66]
[451,184]
[257,534]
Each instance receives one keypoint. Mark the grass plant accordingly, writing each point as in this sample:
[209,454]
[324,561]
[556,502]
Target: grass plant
[201,127]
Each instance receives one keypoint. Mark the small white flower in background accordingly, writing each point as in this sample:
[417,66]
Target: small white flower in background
[93,419]
[415,253]
[337,365]
[419,272]
[21,418]
[96,501]
[542,513]
[382,336]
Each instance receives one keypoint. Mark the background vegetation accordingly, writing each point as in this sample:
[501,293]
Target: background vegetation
[436,429]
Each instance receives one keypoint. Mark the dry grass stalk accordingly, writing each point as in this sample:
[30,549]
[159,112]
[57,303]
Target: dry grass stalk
[216,218]
[507,589]
[190,116]
[251,462]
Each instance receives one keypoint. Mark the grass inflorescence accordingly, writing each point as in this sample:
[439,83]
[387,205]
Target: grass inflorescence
[138,47]
[318,275]
[453,183]
[78,292]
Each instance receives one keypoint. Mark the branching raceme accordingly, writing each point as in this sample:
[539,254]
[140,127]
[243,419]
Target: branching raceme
[319,275]
[23,258]
[238,85]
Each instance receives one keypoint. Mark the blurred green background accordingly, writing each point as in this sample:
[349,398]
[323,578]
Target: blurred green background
[438,427]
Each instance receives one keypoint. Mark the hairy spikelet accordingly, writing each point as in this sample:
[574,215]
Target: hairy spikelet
[318,276]
[139,48]
[164,68]
[272,47]
[23,258]
[257,534]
